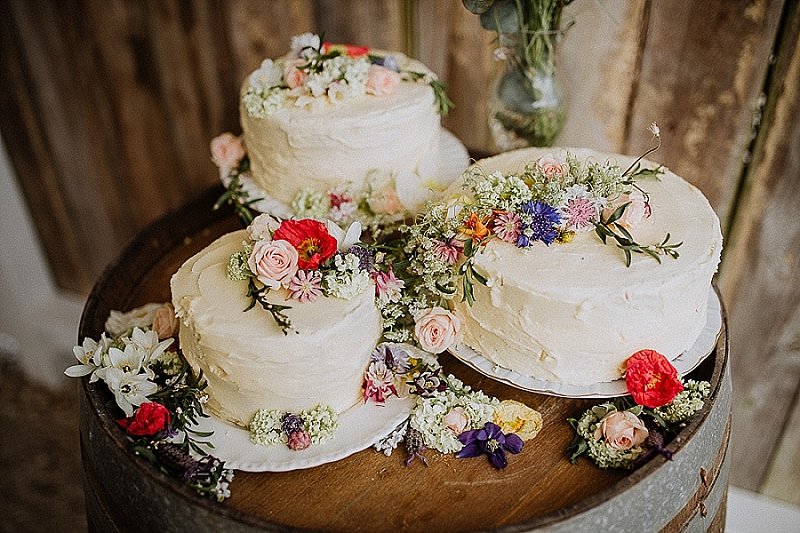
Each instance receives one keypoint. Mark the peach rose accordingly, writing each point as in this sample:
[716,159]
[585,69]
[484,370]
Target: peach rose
[437,329]
[456,420]
[637,210]
[381,81]
[552,166]
[226,152]
[385,201]
[622,430]
[293,76]
[262,227]
[273,262]
[165,323]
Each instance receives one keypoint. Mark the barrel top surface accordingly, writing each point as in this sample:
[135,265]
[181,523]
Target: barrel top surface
[369,491]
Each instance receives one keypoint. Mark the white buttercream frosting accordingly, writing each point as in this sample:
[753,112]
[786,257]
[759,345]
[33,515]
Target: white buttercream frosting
[573,313]
[323,146]
[248,362]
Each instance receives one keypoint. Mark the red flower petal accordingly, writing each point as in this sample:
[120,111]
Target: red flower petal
[310,238]
[651,379]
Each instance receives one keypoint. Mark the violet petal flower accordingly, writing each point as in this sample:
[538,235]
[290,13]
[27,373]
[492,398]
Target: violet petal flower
[489,440]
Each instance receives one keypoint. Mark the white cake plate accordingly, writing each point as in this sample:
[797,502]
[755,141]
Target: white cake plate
[453,160]
[684,363]
[360,427]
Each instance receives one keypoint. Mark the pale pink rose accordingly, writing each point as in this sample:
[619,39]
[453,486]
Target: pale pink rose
[226,152]
[262,227]
[637,210]
[552,167]
[293,76]
[381,81]
[621,430]
[437,329]
[273,262]
[388,288]
[385,201]
[165,323]
[456,420]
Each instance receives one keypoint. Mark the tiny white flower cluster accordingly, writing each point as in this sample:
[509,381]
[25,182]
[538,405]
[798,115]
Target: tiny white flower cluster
[266,426]
[429,414]
[506,193]
[686,404]
[347,280]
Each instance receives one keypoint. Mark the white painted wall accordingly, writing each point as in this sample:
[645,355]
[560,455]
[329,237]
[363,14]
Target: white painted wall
[38,322]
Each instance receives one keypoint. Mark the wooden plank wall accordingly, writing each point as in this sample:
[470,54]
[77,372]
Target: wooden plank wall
[107,108]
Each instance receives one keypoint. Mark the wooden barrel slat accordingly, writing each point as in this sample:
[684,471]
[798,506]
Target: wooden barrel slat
[540,490]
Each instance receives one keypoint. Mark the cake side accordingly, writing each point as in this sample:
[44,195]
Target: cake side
[573,312]
[248,361]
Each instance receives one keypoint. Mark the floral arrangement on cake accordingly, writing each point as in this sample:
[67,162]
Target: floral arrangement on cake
[157,397]
[304,258]
[626,432]
[317,73]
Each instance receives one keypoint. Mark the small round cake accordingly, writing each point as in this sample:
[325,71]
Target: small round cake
[249,362]
[573,312]
[327,116]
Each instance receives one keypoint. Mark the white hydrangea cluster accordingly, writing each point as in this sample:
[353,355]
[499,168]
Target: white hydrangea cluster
[263,102]
[347,280]
[310,203]
[266,426]
[321,423]
[390,442]
[428,415]
[686,404]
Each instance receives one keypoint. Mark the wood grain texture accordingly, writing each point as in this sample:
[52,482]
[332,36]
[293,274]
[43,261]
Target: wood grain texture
[703,69]
[598,66]
[761,272]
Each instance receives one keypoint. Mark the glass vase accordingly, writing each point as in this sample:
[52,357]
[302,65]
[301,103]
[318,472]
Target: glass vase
[526,107]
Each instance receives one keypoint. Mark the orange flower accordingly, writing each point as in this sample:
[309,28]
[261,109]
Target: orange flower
[475,228]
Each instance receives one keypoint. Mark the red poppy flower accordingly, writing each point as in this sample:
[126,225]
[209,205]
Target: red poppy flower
[310,238]
[651,379]
[149,419]
[349,50]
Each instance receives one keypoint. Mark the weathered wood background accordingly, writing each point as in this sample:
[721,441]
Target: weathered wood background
[107,108]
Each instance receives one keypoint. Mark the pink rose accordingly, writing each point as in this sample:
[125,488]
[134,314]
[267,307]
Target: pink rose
[621,430]
[381,81]
[552,167]
[437,329]
[385,201]
[165,323]
[456,420]
[226,152]
[273,262]
[637,210]
[293,76]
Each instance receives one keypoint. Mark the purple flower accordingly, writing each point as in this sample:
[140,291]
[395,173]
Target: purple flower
[428,383]
[489,440]
[366,259]
[393,356]
[543,224]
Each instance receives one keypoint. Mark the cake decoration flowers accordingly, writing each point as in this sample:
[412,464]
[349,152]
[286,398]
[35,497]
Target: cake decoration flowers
[626,431]
[491,441]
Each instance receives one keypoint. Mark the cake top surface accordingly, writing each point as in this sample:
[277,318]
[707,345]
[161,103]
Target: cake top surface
[317,77]
[670,206]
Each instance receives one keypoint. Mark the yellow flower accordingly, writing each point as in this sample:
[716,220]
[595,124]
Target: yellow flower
[516,417]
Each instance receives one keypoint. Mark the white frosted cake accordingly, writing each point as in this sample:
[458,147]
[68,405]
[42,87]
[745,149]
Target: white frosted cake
[249,362]
[574,312]
[361,124]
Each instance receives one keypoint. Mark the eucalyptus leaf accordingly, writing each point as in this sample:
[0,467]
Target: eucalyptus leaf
[478,7]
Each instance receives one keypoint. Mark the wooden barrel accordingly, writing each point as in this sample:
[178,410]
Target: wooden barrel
[540,490]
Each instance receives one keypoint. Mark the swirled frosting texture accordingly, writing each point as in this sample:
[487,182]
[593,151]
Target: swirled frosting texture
[299,147]
[248,362]
[573,313]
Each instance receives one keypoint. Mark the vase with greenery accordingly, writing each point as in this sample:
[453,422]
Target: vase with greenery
[526,106]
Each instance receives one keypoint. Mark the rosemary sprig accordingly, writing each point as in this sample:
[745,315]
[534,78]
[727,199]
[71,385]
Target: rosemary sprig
[276,310]
[609,228]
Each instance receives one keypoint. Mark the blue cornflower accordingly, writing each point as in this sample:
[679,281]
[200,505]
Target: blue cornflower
[543,225]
